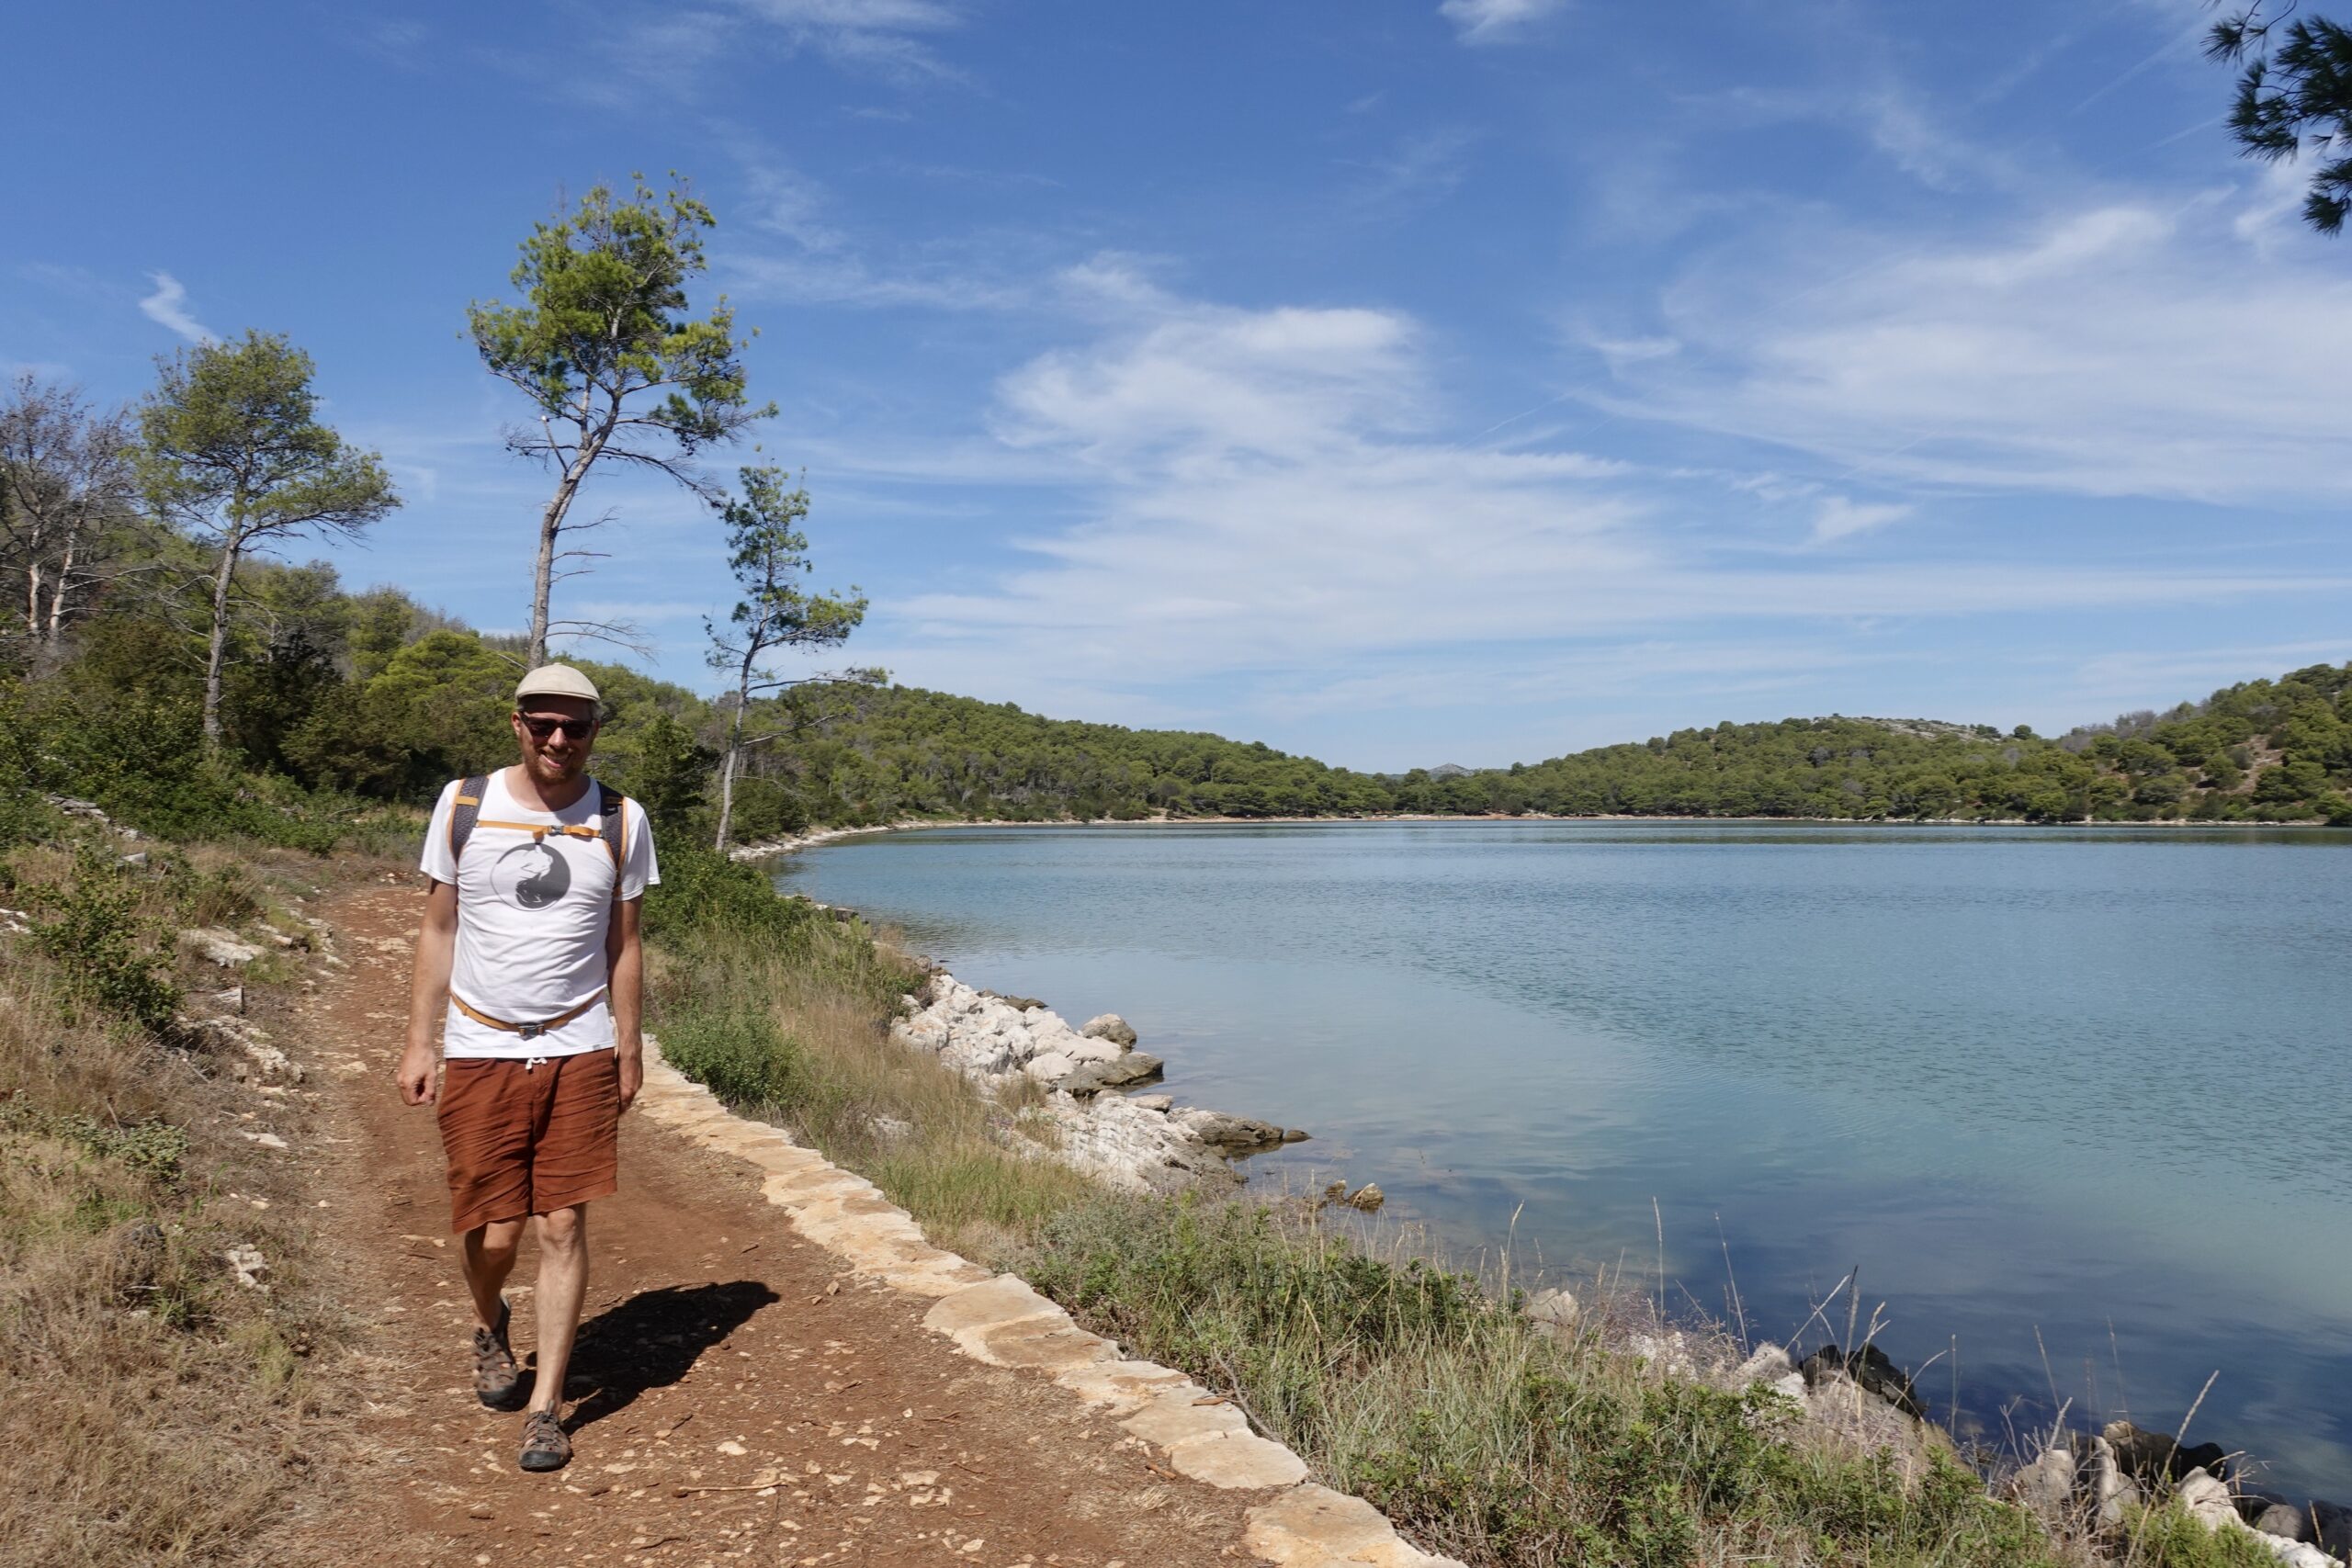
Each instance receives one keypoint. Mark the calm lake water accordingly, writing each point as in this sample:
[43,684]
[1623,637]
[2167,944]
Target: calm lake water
[2080,1101]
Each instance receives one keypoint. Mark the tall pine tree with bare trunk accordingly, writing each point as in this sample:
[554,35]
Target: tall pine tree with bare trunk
[604,348]
[234,455]
[769,556]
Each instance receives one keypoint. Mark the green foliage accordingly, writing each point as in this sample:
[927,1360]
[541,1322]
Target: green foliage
[604,347]
[704,894]
[2170,1537]
[605,289]
[767,809]
[153,1150]
[142,759]
[108,953]
[738,1050]
[669,772]
[235,454]
[768,555]
[437,712]
[2294,95]
[1466,1424]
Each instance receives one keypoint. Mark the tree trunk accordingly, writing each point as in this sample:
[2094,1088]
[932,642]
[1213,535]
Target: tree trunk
[57,589]
[551,528]
[32,597]
[228,549]
[734,752]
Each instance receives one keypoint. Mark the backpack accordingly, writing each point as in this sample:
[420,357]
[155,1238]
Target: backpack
[465,816]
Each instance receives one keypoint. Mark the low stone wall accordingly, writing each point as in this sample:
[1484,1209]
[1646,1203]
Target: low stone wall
[998,1319]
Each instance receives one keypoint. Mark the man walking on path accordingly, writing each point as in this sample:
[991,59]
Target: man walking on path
[530,958]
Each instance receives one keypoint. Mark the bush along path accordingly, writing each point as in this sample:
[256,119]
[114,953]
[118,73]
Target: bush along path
[776,1367]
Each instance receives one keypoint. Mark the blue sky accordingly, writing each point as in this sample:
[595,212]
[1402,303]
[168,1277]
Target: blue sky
[1395,380]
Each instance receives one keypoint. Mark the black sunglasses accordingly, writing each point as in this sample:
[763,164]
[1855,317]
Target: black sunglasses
[541,728]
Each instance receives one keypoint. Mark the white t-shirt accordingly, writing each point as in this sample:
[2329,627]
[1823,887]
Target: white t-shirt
[533,911]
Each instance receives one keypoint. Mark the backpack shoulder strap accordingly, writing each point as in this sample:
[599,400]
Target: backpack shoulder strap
[464,812]
[613,828]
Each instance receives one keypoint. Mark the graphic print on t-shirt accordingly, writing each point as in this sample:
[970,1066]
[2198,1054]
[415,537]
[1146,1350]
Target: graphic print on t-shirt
[531,877]
[536,901]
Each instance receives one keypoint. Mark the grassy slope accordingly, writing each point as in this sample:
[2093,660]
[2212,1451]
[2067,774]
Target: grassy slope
[153,1409]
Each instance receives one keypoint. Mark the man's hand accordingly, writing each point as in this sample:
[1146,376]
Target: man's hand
[415,1074]
[428,992]
[631,1060]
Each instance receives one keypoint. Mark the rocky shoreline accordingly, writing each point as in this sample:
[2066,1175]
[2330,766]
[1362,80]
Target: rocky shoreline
[2083,1486]
[1143,1143]
[771,849]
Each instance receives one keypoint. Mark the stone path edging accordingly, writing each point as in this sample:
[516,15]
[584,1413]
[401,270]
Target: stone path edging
[998,1319]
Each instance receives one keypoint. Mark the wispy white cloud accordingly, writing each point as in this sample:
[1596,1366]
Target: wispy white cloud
[2123,348]
[1494,21]
[1840,517]
[807,253]
[168,306]
[891,35]
[1423,166]
[1276,497]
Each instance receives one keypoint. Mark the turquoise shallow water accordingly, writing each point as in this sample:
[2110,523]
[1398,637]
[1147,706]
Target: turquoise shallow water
[2077,1101]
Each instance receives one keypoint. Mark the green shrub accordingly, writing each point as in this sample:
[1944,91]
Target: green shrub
[738,1050]
[703,894]
[152,1149]
[2171,1538]
[107,952]
[142,757]
[766,808]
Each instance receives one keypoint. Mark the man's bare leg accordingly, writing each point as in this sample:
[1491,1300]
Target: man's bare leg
[487,1255]
[563,1287]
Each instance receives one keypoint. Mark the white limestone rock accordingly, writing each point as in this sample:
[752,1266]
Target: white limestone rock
[1769,1364]
[1049,1068]
[1112,1027]
[220,945]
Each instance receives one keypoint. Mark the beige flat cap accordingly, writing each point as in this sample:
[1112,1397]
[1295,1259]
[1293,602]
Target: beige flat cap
[556,681]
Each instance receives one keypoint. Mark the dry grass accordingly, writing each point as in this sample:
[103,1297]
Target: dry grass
[799,1035]
[153,1409]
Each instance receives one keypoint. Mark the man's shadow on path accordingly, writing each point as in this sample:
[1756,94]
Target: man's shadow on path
[653,1338]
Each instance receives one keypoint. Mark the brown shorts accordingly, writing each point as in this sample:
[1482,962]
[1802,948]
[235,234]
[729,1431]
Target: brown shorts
[529,1139]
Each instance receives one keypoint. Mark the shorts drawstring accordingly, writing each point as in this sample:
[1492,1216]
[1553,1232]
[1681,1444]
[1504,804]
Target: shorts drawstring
[531,1062]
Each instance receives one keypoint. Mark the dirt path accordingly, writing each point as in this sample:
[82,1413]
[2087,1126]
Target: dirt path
[739,1395]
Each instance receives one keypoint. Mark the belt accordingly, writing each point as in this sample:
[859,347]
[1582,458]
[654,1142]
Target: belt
[528,1030]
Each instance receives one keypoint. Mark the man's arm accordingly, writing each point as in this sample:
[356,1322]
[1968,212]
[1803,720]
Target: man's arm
[624,956]
[428,992]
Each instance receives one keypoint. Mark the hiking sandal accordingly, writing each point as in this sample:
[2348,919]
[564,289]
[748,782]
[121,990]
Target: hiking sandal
[544,1445]
[497,1380]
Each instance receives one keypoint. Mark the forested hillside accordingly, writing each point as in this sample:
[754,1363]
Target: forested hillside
[2267,750]
[337,697]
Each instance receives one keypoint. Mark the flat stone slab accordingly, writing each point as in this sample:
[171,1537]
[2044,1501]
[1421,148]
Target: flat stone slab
[1041,1343]
[1238,1461]
[1122,1387]
[1004,1299]
[1184,1412]
[1309,1526]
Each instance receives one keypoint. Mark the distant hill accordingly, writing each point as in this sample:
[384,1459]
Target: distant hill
[2264,750]
[372,696]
